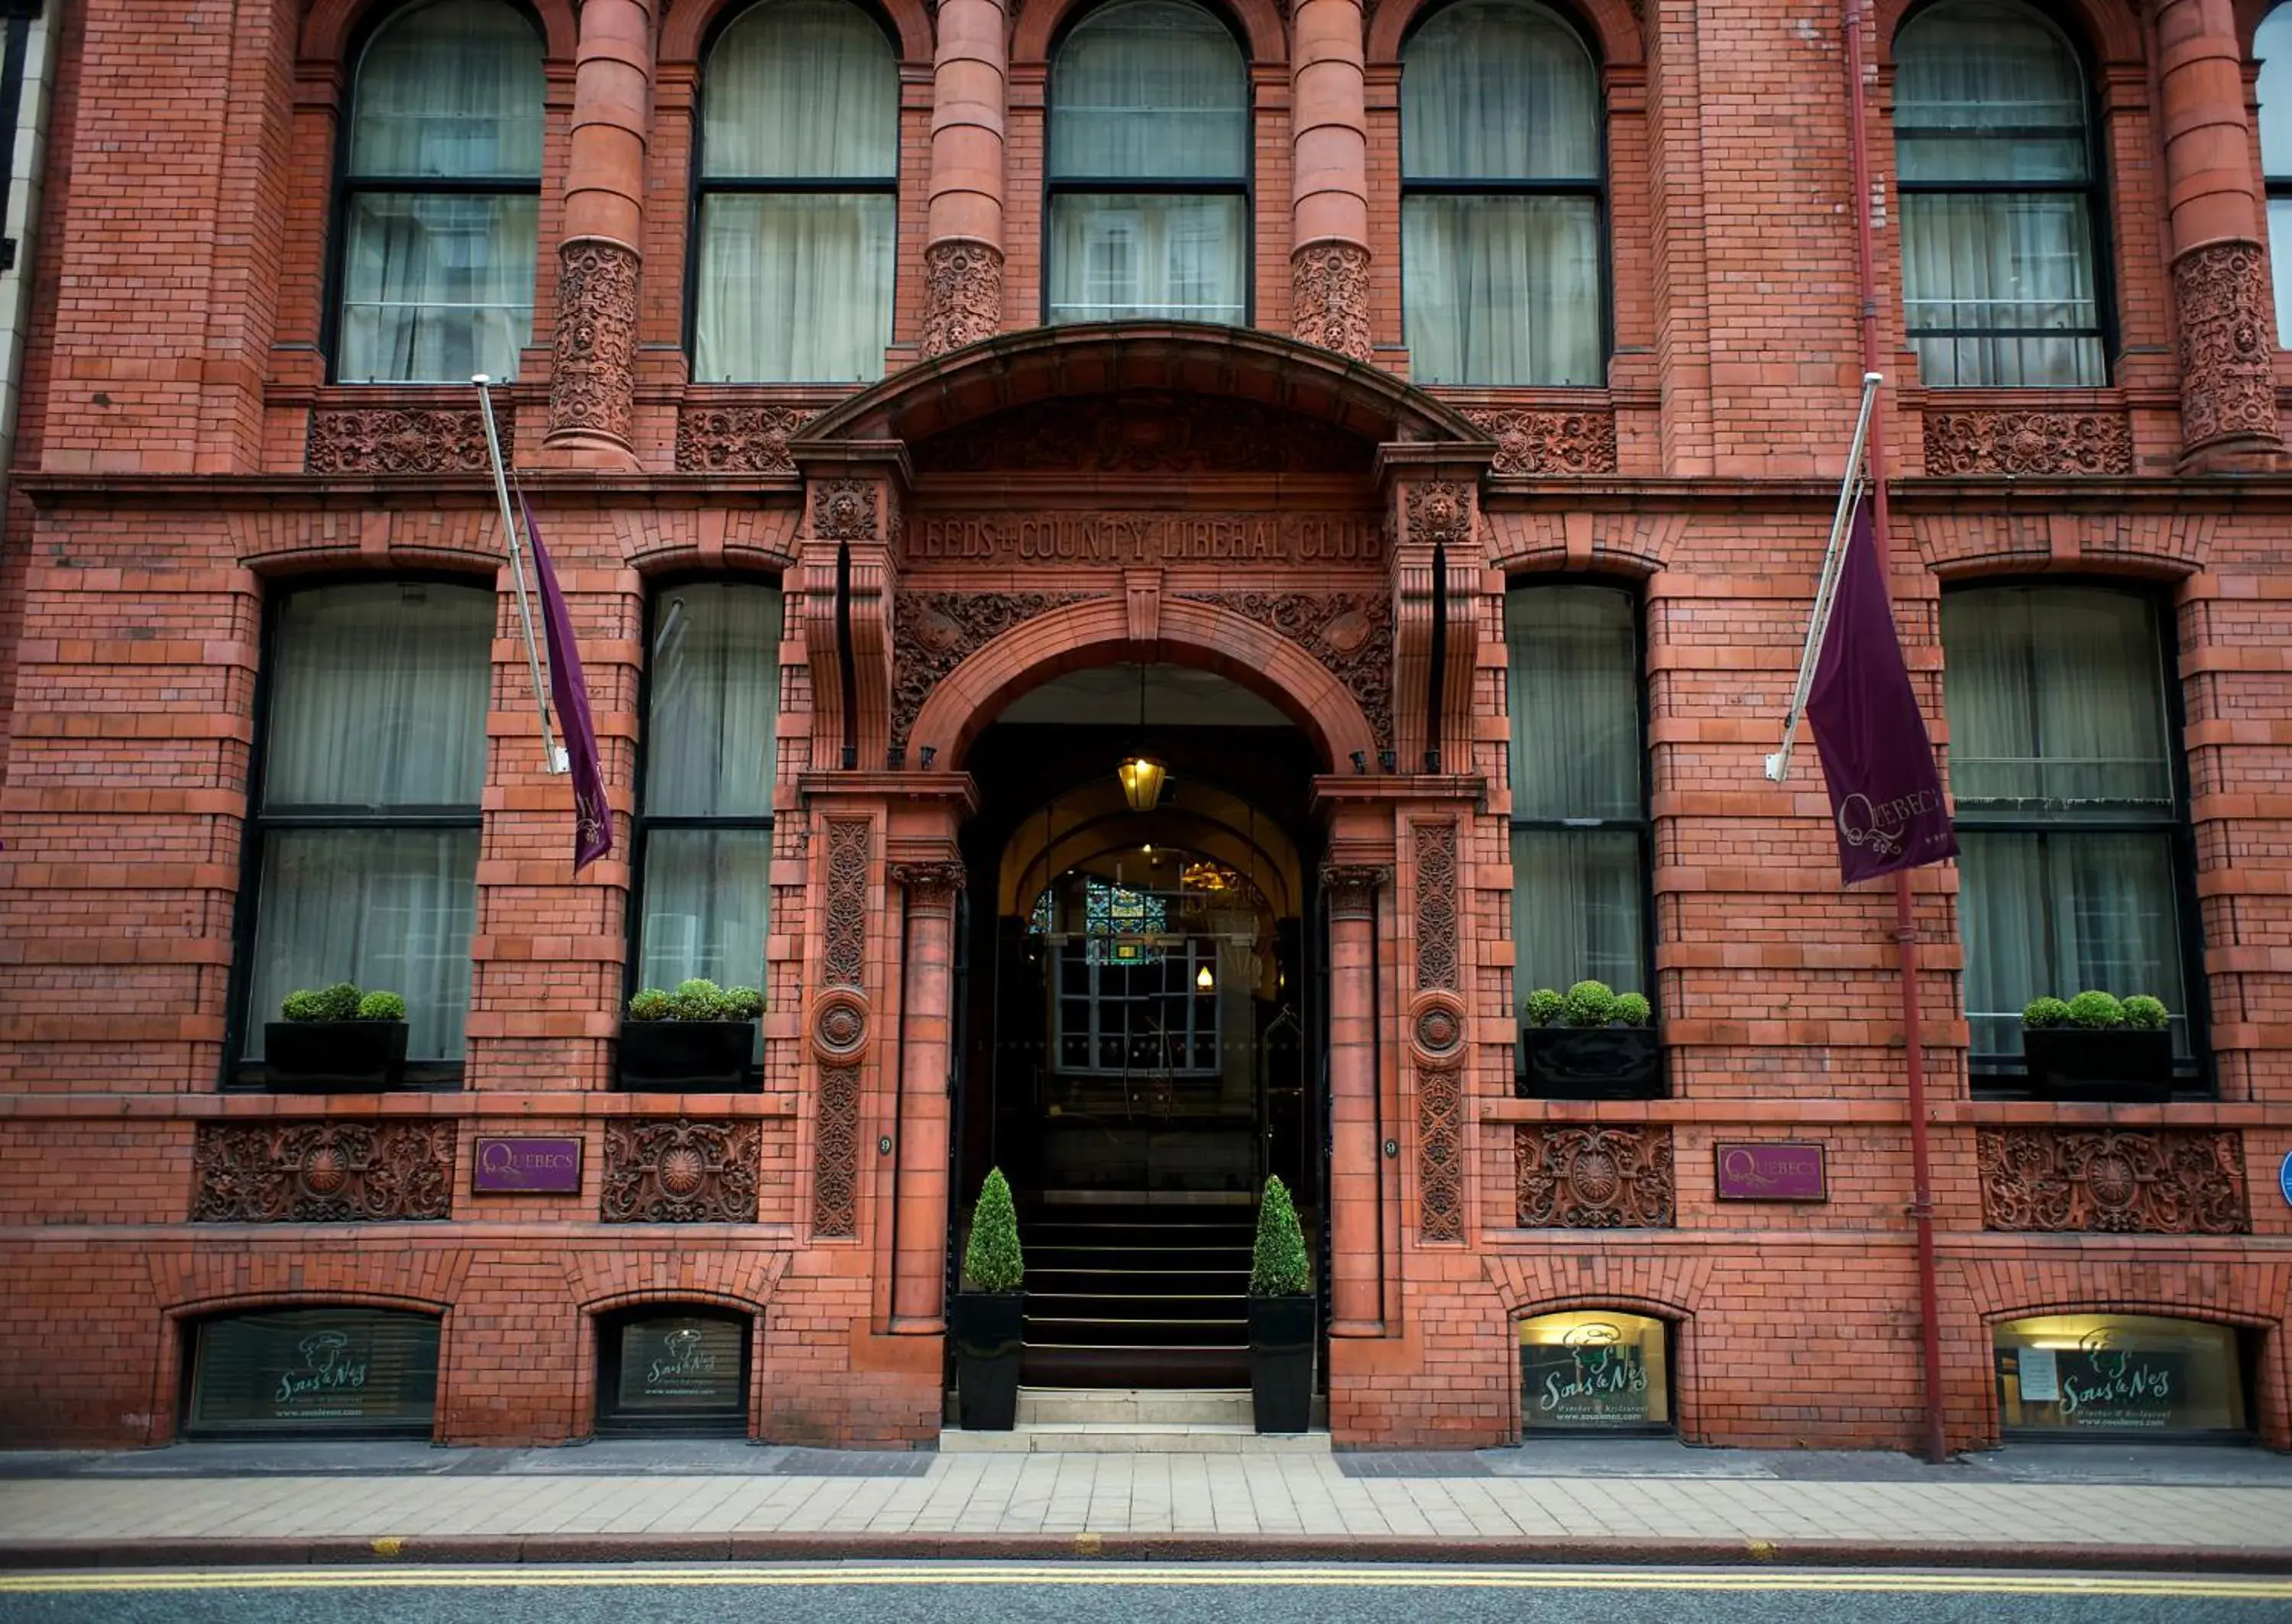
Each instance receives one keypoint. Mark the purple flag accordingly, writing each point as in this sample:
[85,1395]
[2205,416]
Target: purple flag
[1885,794]
[569,693]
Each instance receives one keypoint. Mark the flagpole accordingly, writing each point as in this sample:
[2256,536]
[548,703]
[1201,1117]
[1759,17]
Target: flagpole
[550,753]
[1826,588]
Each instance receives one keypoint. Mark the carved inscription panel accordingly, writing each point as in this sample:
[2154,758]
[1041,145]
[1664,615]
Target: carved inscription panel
[1138,539]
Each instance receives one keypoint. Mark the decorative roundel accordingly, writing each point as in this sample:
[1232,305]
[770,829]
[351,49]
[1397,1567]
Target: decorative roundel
[1596,1178]
[682,1172]
[1437,1030]
[839,1024]
[326,1170]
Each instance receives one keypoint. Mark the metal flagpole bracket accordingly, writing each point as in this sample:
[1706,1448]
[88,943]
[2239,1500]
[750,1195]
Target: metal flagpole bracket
[1850,490]
[551,752]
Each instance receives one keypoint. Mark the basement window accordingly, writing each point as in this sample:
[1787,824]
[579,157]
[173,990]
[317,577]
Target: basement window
[1596,1370]
[2114,1375]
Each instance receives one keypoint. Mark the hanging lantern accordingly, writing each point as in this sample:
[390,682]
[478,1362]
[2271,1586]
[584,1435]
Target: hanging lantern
[1141,782]
[1204,980]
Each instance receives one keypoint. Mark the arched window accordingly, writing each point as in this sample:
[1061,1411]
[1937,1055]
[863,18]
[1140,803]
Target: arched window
[1500,209]
[1996,161]
[798,198]
[442,186]
[1149,168]
[2272,44]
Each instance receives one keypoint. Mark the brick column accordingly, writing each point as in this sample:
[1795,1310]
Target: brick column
[1328,267]
[1355,1244]
[2220,291]
[963,262]
[592,379]
[919,1267]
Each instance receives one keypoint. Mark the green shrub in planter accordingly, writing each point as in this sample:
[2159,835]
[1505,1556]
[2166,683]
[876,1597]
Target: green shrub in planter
[341,1002]
[1278,1265]
[382,1007]
[990,1321]
[2096,1011]
[335,1038]
[1280,1317]
[698,1000]
[652,1004]
[1632,1009]
[1590,1004]
[2043,1014]
[743,1003]
[307,1004]
[2143,1013]
[991,1259]
[1545,1006]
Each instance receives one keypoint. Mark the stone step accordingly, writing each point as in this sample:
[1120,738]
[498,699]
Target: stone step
[1132,1439]
[1153,1406]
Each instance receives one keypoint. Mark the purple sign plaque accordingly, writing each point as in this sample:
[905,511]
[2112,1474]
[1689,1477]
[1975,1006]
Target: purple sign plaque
[526,1165]
[1772,1172]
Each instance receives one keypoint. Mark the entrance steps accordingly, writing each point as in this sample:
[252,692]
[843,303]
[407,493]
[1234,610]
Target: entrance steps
[1133,1420]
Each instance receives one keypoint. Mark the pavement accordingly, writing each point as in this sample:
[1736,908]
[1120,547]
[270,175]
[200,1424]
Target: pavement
[2158,1508]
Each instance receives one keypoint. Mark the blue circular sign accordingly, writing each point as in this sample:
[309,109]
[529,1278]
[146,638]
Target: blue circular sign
[2284,1178]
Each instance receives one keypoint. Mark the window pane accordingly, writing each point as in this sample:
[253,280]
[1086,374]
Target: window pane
[1172,258]
[435,288]
[795,288]
[454,91]
[315,1370]
[1150,89]
[2279,261]
[1576,909]
[2009,261]
[684,1364]
[1594,1369]
[802,89]
[2120,1372]
[1494,89]
[1502,290]
[2057,699]
[378,697]
[2053,914]
[2271,43]
[713,700]
[1998,74]
[389,909]
[1574,699]
[707,893]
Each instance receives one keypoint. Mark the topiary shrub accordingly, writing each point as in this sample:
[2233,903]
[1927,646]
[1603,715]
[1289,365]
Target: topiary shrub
[1590,1004]
[2143,1013]
[2041,1013]
[743,1003]
[382,1007]
[698,1000]
[1632,1009]
[341,1002]
[992,1258]
[306,1004]
[1278,1265]
[1545,1006]
[2095,1011]
[652,1004]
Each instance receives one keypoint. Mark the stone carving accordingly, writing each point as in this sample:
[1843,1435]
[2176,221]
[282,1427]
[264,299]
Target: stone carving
[1592,1178]
[931,886]
[738,440]
[1532,442]
[1328,301]
[1436,905]
[681,1172]
[2002,442]
[1440,1155]
[593,379]
[836,1148]
[845,953]
[403,440]
[933,632]
[2227,384]
[1350,633]
[2144,1181]
[962,295]
[844,510]
[1352,888]
[1146,433]
[1440,513]
[331,1172]
[835,1157]
[839,1025]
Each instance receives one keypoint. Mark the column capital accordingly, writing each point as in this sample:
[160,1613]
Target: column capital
[932,887]
[1353,887]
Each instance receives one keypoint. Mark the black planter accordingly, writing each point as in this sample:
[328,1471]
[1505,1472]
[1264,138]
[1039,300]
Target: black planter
[988,1329]
[2119,1066]
[688,1057]
[1281,1362]
[317,1056]
[1591,1062]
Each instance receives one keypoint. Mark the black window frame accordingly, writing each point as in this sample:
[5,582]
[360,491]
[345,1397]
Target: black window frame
[1669,1428]
[1056,186]
[347,184]
[192,1341]
[240,1074]
[608,1421]
[1597,189]
[2094,188]
[701,186]
[1991,1075]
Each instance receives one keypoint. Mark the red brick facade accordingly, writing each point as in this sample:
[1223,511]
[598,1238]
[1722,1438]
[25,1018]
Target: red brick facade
[182,455]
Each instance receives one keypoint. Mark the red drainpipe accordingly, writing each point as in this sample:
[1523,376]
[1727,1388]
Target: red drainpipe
[1906,934]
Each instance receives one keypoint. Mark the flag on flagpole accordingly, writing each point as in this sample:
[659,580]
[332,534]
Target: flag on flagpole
[1885,792]
[592,818]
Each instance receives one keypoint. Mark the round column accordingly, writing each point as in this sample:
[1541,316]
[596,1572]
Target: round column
[962,260]
[1328,266]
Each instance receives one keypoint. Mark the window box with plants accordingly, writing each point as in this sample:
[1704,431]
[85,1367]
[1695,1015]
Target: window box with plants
[335,1038]
[700,1038]
[2096,1047]
[1590,1043]
[1280,1317]
[990,1321]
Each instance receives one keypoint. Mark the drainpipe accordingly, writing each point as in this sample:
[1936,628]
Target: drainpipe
[1906,935]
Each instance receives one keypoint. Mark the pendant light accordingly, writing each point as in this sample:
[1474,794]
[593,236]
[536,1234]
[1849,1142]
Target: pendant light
[1142,776]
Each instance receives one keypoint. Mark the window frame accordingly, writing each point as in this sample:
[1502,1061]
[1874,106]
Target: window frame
[1056,186]
[1642,827]
[1597,189]
[2274,189]
[2095,188]
[345,185]
[240,1074]
[1993,1075]
[193,1348]
[1198,951]
[699,186]
[607,1420]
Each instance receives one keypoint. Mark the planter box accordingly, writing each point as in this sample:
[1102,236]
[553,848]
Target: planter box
[989,1328]
[1591,1062]
[310,1057]
[688,1057]
[1281,1362]
[2117,1066]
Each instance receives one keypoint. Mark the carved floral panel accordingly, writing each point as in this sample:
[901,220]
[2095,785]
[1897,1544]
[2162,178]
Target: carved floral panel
[403,440]
[2131,1181]
[681,1171]
[1146,433]
[2018,442]
[745,440]
[1593,1178]
[1350,633]
[1539,442]
[330,1172]
[937,631]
